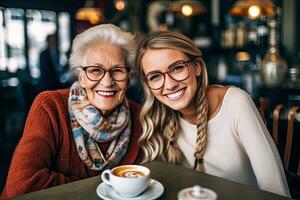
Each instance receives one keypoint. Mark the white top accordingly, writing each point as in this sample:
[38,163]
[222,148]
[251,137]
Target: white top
[239,146]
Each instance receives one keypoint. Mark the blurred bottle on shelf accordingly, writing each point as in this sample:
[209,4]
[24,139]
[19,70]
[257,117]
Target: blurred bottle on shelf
[222,70]
[252,35]
[262,32]
[274,67]
[293,79]
[229,34]
[241,35]
[245,33]
[201,39]
[249,71]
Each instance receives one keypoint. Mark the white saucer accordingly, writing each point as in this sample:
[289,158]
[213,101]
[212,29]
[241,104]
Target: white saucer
[154,190]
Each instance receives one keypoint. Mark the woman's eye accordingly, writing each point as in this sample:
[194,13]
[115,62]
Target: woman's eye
[155,77]
[118,71]
[95,70]
[177,68]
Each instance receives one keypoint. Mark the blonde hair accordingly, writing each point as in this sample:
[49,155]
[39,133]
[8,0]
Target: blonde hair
[102,34]
[160,123]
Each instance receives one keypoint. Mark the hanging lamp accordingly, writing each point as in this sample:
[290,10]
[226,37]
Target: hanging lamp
[253,8]
[188,7]
[90,13]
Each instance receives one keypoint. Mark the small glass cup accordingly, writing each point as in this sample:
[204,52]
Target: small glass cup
[196,193]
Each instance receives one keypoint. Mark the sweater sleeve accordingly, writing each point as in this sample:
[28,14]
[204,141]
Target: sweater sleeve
[32,166]
[258,144]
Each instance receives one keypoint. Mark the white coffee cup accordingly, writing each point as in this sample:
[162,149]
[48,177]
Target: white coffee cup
[127,180]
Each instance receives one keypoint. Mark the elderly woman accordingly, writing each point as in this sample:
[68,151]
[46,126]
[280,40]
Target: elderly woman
[76,133]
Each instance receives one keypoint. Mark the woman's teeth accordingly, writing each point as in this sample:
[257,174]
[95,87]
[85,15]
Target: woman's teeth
[175,95]
[105,93]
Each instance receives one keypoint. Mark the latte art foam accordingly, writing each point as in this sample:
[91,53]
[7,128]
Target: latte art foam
[128,173]
[132,174]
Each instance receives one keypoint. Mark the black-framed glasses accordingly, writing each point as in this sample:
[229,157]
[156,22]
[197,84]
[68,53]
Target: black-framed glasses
[97,72]
[178,71]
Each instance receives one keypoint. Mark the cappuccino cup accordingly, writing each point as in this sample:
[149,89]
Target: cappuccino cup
[127,180]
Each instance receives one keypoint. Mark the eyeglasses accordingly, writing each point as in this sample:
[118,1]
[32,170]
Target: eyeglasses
[96,73]
[178,71]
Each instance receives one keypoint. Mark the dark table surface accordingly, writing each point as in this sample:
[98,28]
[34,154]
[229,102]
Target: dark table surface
[173,177]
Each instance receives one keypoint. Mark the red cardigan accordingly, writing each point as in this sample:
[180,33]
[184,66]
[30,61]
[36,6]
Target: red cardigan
[46,154]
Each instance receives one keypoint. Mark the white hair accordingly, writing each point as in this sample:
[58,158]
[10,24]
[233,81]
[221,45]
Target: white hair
[104,33]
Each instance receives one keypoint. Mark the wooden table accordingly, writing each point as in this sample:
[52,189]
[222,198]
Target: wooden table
[173,177]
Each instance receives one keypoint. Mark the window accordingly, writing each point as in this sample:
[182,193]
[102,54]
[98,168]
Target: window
[20,46]
[2,42]
[64,36]
[14,39]
[38,20]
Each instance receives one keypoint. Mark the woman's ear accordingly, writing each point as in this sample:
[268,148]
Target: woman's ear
[198,64]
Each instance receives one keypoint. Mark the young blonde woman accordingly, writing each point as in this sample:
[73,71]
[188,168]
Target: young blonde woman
[214,129]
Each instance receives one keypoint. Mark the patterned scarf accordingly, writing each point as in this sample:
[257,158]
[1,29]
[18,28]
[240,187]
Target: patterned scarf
[90,127]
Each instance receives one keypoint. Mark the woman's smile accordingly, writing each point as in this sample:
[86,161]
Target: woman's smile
[174,96]
[107,93]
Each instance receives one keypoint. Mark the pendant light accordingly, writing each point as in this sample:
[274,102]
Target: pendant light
[252,8]
[188,7]
[90,13]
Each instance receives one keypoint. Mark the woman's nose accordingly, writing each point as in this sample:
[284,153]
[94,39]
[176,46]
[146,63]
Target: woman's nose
[107,80]
[170,83]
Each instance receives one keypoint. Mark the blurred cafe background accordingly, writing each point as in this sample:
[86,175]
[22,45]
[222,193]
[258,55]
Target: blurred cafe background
[253,44]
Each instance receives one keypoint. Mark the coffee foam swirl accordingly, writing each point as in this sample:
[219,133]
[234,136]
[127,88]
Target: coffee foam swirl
[133,174]
[128,173]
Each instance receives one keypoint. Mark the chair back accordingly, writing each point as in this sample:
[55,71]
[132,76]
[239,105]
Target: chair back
[293,113]
[276,114]
[283,122]
[285,129]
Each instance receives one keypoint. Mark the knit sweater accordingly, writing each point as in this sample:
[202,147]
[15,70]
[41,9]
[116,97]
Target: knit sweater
[46,154]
